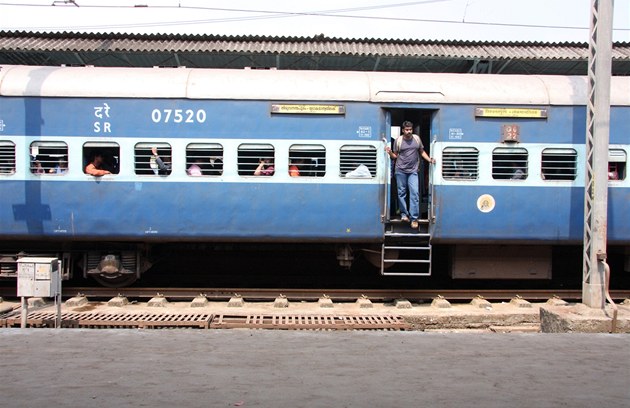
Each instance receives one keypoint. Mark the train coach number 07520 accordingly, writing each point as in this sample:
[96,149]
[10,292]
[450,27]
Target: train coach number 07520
[178,116]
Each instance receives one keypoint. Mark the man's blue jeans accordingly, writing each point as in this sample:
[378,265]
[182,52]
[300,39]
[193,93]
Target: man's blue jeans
[408,182]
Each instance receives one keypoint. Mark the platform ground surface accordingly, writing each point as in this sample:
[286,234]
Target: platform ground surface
[253,368]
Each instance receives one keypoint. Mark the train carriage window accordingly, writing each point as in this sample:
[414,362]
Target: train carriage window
[108,150]
[204,159]
[148,164]
[357,161]
[617,159]
[7,157]
[559,164]
[251,156]
[49,158]
[460,163]
[307,160]
[509,163]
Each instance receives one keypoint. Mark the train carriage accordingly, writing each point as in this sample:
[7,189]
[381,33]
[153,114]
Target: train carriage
[333,127]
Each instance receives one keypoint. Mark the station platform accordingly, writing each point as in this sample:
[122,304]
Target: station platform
[278,368]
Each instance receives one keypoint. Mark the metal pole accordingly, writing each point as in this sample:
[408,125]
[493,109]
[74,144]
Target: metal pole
[597,136]
[58,295]
[24,315]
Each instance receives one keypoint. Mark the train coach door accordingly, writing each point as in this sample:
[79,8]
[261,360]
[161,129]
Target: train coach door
[406,248]
[422,126]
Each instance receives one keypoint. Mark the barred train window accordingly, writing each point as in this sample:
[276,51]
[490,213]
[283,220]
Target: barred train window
[204,159]
[145,163]
[559,164]
[108,150]
[460,163]
[509,163]
[309,160]
[49,158]
[256,156]
[7,157]
[617,159]
[357,161]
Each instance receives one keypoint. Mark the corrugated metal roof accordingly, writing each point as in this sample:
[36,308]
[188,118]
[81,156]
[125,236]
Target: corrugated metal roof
[317,52]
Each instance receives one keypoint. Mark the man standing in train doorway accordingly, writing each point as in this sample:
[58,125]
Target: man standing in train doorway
[407,151]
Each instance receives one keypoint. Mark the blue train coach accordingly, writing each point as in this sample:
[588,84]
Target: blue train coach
[266,156]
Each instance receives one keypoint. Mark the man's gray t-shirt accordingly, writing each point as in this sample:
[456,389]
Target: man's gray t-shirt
[409,155]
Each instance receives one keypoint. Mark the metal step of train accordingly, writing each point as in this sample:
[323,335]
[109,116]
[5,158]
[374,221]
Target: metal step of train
[406,251]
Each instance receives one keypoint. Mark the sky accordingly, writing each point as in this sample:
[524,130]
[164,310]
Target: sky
[467,20]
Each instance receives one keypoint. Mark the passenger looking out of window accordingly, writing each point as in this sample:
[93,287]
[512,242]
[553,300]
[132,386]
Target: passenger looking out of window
[407,151]
[294,169]
[38,168]
[60,168]
[215,168]
[517,172]
[195,169]
[163,165]
[95,166]
[613,173]
[518,175]
[265,168]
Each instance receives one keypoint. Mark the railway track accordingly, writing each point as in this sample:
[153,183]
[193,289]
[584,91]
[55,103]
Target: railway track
[339,295]
[92,316]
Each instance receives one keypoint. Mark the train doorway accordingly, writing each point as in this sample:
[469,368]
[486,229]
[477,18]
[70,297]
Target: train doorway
[422,125]
[406,247]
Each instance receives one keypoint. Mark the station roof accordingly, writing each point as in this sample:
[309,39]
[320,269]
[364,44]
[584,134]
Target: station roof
[301,53]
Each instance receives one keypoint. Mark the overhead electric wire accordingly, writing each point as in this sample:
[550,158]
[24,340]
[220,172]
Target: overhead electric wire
[271,14]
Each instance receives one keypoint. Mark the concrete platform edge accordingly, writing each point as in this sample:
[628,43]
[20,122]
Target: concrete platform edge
[579,318]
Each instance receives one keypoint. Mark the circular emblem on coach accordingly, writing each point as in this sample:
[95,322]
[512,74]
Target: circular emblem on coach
[485,203]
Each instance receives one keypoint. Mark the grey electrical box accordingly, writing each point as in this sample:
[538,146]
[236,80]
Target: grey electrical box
[38,277]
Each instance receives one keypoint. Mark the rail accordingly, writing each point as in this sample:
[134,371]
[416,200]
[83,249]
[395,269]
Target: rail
[334,294]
